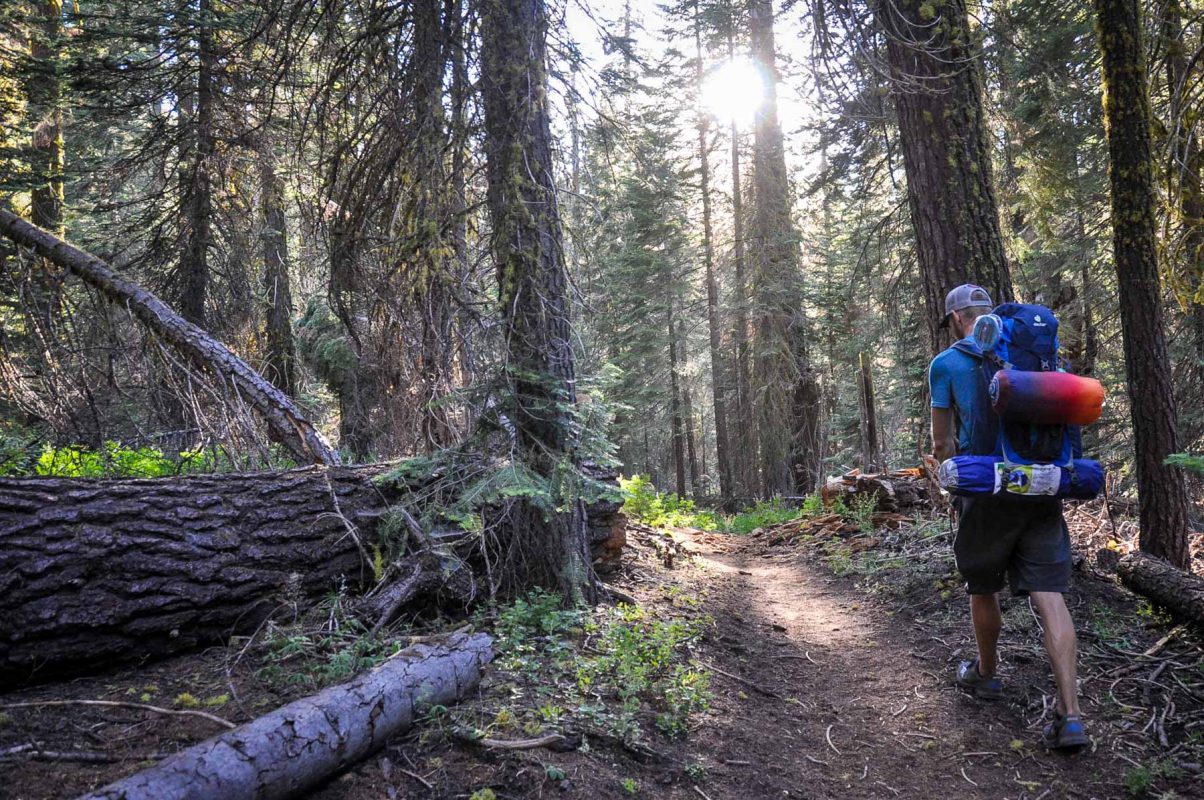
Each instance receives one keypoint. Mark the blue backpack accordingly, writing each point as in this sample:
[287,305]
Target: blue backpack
[1023,337]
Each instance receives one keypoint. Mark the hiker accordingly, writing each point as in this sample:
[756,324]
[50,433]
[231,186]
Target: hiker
[1025,540]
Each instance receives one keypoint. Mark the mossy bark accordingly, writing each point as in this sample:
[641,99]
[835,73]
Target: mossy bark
[544,549]
[1163,504]
[937,89]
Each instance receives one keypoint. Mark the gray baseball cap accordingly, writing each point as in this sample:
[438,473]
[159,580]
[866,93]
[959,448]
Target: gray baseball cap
[968,295]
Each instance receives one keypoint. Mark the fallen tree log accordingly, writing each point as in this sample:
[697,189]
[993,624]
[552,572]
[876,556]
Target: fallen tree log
[285,421]
[93,572]
[297,747]
[96,572]
[1181,593]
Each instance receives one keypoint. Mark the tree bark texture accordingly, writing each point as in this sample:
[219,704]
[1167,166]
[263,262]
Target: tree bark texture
[44,91]
[720,384]
[1185,177]
[280,365]
[533,284]
[1162,494]
[871,459]
[282,416]
[298,747]
[47,152]
[1181,593]
[788,397]
[98,571]
[198,197]
[937,88]
[675,407]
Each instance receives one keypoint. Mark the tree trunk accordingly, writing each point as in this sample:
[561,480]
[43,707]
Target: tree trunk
[1185,177]
[283,418]
[675,413]
[1181,593]
[198,198]
[937,87]
[719,372]
[297,747]
[1161,489]
[871,459]
[546,550]
[434,278]
[280,361]
[744,463]
[47,160]
[98,571]
[45,108]
[688,412]
[788,411]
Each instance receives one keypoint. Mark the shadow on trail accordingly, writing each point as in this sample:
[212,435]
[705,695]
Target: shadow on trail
[823,692]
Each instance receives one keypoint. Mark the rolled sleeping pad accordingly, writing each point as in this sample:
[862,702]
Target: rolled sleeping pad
[988,475]
[1046,398]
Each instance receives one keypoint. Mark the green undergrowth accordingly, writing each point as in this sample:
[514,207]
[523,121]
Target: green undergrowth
[24,454]
[328,645]
[644,504]
[615,671]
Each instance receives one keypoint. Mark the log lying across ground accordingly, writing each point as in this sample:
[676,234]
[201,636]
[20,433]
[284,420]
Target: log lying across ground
[296,748]
[97,571]
[1179,592]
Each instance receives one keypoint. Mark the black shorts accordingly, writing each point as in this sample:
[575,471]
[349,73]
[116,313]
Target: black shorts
[1026,540]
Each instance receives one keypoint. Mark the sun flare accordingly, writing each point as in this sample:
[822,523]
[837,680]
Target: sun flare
[733,91]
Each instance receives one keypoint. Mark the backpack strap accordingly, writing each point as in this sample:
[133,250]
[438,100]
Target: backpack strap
[984,429]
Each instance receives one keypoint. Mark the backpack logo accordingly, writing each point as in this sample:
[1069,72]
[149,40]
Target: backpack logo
[1037,323]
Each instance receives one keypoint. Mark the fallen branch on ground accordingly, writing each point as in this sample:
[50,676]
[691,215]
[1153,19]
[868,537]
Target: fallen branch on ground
[299,746]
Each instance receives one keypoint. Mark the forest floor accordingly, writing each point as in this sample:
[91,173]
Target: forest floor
[831,663]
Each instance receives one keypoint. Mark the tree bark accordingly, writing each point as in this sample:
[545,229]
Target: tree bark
[719,372]
[283,418]
[45,107]
[937,88]
[871,460]
[549,550]
[47,153]
[1162,494]
[297,747]
[1185,177]
[98,571]
[744,453]
[280,365]
[675,403]
[1181,593]
[198,198]
[788,398]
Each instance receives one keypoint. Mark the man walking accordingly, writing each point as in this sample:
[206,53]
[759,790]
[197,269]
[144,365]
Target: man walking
[1024,541]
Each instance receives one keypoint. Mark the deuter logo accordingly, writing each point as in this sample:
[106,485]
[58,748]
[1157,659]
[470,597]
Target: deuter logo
[1037,323]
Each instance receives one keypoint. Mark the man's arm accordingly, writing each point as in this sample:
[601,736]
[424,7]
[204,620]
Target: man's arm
[940,389]
[943,444]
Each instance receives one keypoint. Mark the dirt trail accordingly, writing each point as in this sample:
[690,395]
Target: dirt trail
[867,704]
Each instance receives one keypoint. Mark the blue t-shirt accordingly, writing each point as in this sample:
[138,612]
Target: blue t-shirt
[955,381]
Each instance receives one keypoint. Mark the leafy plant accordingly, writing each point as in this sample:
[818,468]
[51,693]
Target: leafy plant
[1189,461]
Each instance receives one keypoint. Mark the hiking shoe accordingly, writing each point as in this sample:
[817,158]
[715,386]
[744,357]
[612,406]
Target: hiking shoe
[1066,734]
[970,679]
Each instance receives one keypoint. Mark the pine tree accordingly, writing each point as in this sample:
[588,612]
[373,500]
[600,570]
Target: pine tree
[533,288]
[1161,491]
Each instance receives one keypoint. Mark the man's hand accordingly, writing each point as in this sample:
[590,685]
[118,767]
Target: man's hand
[943,444]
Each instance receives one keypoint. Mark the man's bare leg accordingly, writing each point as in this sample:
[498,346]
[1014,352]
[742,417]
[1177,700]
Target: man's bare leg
[984,613]
[1062,646]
